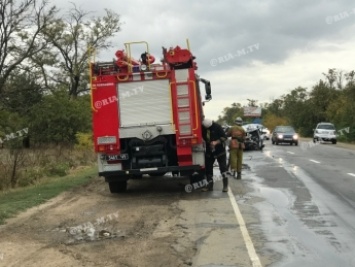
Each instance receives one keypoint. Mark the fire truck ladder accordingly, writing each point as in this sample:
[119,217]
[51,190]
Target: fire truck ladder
[184,109]
[129,52]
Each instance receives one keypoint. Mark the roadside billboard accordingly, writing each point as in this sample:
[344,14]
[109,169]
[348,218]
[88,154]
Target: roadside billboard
[252,111]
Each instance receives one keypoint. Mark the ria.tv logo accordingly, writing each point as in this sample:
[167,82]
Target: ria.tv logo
[14,135]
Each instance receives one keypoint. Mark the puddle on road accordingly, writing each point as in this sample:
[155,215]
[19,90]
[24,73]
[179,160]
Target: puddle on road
[294,225]
[288,234]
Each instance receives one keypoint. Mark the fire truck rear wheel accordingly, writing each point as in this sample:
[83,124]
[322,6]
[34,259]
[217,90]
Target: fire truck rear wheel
[117,187]
[196,177]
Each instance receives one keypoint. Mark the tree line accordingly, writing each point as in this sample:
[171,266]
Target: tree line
[331,99]
[44,77]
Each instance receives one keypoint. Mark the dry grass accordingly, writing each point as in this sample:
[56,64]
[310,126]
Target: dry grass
[24,167]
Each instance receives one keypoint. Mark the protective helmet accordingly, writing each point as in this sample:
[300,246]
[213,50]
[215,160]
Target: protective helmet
[207,123]
[238,121]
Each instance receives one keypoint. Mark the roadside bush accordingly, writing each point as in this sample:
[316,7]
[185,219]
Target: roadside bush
[4,171]
[29,166]
[57,169]
[84,141]
[304,132]
[342,138]
[347,137]
[58,118]
[31,176]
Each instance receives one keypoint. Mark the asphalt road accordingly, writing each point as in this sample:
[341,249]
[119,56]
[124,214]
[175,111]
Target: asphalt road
[308,209]
[294,206]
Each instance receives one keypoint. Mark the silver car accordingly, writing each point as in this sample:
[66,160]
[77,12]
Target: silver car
[325,131]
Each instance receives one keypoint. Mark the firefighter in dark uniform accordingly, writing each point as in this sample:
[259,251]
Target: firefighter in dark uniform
[215,139]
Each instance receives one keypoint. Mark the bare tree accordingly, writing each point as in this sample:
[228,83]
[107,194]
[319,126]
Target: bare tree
[252,103]
[21,33]
[331,76]
[75,37]
[350,77]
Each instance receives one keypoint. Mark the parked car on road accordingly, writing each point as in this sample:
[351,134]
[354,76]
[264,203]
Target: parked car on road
[264,132]
[325,131]
[284,134]
[254,139]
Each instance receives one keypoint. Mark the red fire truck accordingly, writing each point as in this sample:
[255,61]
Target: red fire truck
[147,116]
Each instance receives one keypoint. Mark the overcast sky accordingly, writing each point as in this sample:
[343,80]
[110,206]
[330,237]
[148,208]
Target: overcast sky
[251,49]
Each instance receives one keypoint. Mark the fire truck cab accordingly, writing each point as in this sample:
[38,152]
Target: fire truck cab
[147,116]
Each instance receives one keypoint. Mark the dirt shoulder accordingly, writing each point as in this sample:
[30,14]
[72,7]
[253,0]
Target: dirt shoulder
[88,226]
[155,223]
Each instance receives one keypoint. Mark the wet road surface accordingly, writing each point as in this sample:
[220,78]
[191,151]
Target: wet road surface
[308,209]
[293,207]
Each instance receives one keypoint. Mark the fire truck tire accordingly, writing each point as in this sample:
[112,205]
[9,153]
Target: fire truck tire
[117,187]
[195,178]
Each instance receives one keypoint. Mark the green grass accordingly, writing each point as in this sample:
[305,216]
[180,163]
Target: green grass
[15,201]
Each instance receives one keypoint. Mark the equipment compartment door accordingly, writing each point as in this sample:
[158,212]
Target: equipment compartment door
[145,103]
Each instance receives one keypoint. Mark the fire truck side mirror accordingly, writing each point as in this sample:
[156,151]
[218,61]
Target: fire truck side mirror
[207,84]
[208,91]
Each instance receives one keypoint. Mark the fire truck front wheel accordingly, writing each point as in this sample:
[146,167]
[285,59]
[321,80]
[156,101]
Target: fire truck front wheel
[117,187]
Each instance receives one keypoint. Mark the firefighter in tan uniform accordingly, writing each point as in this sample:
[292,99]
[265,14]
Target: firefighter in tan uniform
[236,147]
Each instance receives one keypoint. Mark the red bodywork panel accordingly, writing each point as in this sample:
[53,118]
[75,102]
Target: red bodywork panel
[105,102]
[177,55]
[105,115]
[184,143]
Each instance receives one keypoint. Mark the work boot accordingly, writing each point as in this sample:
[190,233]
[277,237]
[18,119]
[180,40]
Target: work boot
[239,175]
[209,186]
[225,185]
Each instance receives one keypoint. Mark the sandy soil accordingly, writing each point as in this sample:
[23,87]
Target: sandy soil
[91,227]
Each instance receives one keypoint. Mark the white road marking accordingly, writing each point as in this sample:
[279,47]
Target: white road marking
[352,174]
[247,240]
[289,152]
[314,161]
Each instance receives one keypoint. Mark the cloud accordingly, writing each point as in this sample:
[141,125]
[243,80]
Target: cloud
[298,40]
[266,82]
